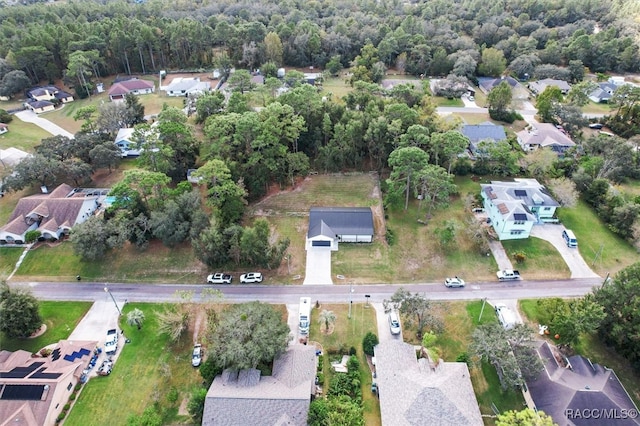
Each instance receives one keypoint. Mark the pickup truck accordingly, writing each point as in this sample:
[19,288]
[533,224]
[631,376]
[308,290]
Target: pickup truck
[508,274]
[111,343]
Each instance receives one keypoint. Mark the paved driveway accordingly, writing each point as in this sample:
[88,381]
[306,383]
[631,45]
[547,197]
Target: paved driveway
[553,234]
[384,332]
[318,268]
[31,117]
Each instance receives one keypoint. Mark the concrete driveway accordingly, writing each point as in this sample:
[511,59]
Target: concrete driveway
[384,332]
[29,116]
[553,234]
[318,268]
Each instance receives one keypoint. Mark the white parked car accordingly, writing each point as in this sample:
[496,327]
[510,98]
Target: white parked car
[196,357]
[394,322]
[220,278]
[251,277]
[454,282]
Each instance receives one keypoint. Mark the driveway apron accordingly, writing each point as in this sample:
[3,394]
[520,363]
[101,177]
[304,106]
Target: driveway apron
[46,125]
[318,268]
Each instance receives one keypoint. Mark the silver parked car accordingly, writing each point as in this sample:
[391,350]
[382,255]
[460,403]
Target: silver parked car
[454,282]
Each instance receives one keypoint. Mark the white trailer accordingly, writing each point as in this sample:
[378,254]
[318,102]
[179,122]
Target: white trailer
[304,317]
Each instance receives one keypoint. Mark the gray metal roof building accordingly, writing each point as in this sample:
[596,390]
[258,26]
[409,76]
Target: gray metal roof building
[348,224]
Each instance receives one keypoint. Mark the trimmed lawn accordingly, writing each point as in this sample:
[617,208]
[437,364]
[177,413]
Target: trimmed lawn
[542,259]
[22,135]
[594,108]
[444,102]
[347,333]
[156,264]
[603,251]
[146,370]
[8,258]
[337,87]
[60,317]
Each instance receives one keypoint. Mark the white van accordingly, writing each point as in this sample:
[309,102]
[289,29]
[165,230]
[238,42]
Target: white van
[569,238]
[394,322]
[506,316]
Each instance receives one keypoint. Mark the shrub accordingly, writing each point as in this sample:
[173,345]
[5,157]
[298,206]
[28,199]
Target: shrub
[32,236]
[464,357]
[368,343]
[519,256]
[72,396]
[66,407]
[320,362]
[352,351]
[320,380]
[172,395]
[45,352]
[390,236]
[5,117]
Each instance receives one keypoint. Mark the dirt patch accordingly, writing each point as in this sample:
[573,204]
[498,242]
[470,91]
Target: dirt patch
[327,331]
[182,410]
[199,323]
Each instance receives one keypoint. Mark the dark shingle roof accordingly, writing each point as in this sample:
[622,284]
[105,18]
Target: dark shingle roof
[582,388]
[341,220]
[479,132]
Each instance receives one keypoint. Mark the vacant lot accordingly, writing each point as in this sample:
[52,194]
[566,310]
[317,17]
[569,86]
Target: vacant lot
[22,135]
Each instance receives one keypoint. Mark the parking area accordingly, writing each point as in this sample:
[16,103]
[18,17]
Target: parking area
[384,332]
[572,257]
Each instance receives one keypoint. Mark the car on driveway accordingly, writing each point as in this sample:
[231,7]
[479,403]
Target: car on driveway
[394,322]
[105,367]
[251,277]
[219,278]
[196,356]
[597,126]
[453,282]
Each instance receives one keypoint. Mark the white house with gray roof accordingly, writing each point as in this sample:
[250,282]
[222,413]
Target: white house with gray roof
[184,86]
[330,225]
[544,135]
[514,207]
[247,398]
[417,392]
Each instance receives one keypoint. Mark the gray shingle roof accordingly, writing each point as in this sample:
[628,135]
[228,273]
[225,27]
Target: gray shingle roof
[586,386]
[413,393]
[477,133]
[283,398]
[341,220]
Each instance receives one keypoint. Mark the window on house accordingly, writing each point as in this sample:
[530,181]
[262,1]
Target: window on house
[516,232]
[547,208]
[69,386]
[519,222]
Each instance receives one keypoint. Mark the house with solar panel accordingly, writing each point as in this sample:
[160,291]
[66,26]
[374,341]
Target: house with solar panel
[514,207]
[34,390]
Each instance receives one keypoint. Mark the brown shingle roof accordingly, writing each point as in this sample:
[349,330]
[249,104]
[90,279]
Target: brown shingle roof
[124,87]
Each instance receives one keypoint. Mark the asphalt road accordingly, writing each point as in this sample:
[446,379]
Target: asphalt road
[91,291]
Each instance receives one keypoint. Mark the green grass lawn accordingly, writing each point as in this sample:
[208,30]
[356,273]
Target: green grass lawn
[147,368]
[22,135]
[337,87]
[594,108]
[8,258]
[60,317]
[444,102]
[603,251]
[156,264]
[542,259]
[349,332]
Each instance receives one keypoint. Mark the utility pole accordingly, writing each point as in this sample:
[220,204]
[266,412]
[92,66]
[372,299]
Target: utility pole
[106,290]
[350,301]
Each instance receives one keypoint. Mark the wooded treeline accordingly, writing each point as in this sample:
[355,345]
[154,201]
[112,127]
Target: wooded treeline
[423,38]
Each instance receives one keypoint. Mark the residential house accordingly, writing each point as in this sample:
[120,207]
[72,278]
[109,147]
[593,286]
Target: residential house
[34,390]
[514,207]
[49,93]
[544,135]
[483,132]
[488,83]
[53,214]
[417,392]
[185,86]
[134,86]
[330,225]
[539,86]
[575,392]
[11,156]
[4,128]
[128,146]
[247,398]
[603,93]
[40,106]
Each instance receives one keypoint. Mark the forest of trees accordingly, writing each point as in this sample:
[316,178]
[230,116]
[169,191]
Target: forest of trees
[427,38]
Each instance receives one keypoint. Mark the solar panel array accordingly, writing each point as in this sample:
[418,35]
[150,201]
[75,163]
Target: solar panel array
[22,392]
[520,216]
[20,372]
